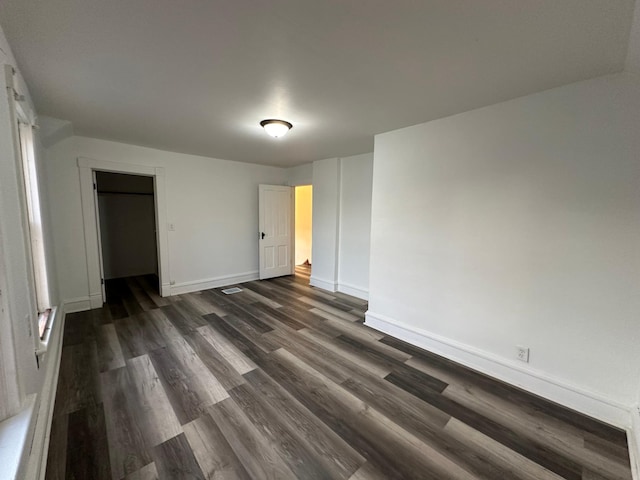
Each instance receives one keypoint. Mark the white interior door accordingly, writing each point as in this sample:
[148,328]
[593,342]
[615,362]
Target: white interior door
[275,226]
[97,207]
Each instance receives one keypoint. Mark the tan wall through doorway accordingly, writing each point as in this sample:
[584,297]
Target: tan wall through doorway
[303,224]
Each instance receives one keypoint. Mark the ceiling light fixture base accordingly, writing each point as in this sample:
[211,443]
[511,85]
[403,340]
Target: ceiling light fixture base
[276,128]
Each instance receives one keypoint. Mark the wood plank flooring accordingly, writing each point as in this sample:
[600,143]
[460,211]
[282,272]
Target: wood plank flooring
[282,381]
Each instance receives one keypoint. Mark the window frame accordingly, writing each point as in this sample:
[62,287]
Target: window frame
[23,124]
[33,220]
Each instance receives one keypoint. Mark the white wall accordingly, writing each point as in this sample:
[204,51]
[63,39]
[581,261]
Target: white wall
[300,175]
[519,224]
[633,51]
[356,179]
[211,202]
[341,224]
[326,202]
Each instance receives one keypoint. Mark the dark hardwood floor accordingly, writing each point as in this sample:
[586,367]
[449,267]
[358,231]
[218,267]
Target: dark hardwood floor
[283,381]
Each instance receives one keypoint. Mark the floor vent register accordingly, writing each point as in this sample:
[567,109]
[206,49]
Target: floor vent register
[229,291]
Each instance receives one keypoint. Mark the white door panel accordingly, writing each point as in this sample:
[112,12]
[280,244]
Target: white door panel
[275,224]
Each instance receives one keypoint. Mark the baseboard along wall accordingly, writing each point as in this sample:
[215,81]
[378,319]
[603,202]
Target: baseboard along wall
[216,282]
[536,382]
[37,461]
[327,285]
[353,290]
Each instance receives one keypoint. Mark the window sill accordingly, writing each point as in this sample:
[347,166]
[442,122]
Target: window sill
[14,436]
[43,342]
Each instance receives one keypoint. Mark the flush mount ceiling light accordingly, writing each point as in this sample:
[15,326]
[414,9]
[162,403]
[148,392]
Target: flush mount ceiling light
[276,128]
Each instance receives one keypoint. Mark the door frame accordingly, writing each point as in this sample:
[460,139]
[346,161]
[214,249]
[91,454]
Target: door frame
[86,167]
[103,290]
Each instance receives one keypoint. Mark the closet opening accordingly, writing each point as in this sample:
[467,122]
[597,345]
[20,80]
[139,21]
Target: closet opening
[127,238]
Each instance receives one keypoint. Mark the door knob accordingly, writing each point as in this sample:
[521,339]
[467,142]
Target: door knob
[263,235]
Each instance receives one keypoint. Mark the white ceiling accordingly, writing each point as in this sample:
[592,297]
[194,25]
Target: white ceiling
[197,76]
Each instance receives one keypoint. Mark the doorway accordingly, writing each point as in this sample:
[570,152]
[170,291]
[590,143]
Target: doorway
[303,230]
[126,211]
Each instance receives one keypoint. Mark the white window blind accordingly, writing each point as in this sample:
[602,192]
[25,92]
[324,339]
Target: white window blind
[35,222]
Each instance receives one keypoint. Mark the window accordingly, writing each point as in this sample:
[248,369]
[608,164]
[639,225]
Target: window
[34,220]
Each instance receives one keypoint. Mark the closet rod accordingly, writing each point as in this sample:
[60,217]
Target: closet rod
[123,193]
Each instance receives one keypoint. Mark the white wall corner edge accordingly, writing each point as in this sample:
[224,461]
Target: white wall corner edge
[536,382]
[37,464]
[207,283]
[633,437]
[354,291]
[323,284]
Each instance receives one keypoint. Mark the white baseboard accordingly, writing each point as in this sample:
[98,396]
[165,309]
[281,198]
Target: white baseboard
[40,447]
[95,300]
[323,284]
[354,291]
[78,304]
[534,381]
[196,286]
[165,290]
[633,437]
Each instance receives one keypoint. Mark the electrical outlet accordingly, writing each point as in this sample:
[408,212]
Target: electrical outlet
[171,227]
[522,353]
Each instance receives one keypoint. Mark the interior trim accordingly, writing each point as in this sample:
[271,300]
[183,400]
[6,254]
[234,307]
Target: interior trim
[86,167]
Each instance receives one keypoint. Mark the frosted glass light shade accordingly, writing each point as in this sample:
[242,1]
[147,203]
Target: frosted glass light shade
[276,128]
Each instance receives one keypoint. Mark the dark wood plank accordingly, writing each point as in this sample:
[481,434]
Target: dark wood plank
[337,455]
[227,376]
[174,460]
[286,441]
[148,472]
[188,384]
[222,346]
[247,329]
[536,452]
[150,404]
[128,450]
[514,394]
[256,454]
[183,318]
[109,350]
[79,328]
[283,381]
[78,383]
[398,446]
[90,457]
[140,295]
[426,423]
[57,457]
[138,335]
[215,456]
